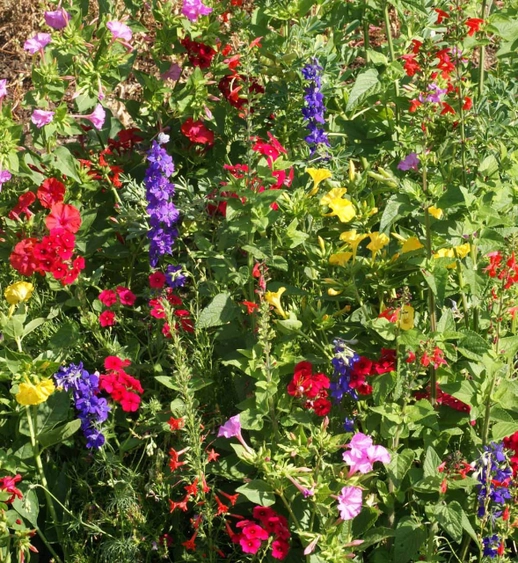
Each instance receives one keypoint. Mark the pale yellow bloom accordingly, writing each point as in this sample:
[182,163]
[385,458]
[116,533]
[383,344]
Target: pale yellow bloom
[406,317]
[333,292]
[18,292]
[378,241]
[460,251]
[353,238]
[435,212]
[340,258]
[30,394]
[463,250]
[274,299]
[318,175]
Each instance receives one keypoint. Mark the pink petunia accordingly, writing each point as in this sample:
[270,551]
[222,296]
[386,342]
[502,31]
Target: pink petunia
[350,502]
[41,117]
[37,43]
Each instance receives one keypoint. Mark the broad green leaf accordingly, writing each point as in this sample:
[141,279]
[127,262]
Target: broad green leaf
[409,537]
[473,346]
[503,429]
[365,83]
[219,312]
[59,434]
[397,206]
[399,466]
[28,507]
[449,517]
[258,492]
[382,385]
[431,462]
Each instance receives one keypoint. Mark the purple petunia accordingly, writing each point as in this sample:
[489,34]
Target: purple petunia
[410,162]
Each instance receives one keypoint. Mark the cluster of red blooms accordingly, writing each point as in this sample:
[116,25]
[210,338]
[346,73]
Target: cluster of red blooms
[122,387]
[157,280]
[232,84]
[505,270]
[197,133]
[8,485]
[124,143]
[367,368]
[109,298]
[54,252]
[199,54]
[454,468]
[267,523]
[436,358]
[511,443]
[283,178]
[444,399]
[312,387]
[445,67]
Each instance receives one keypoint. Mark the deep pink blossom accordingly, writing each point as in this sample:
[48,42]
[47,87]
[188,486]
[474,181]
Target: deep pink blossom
[120,30]
[231,428]
[193,9]
[57,19]
[97,117]
[3,88]
[350,502]
[362,454]
[37,43]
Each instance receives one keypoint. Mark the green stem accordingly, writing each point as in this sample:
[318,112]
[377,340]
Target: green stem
[366,40]
[388,33]
[43,478]
[482,57]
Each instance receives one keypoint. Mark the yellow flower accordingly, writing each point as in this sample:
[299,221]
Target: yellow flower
[378,241]
[335,193]
[334,292]
[406,317]
[463,250]
[30,394]
[460,251]
[274,299]
[340,258]
[354,239]
[410,244]
[318,175]
[18,292]
[435,212]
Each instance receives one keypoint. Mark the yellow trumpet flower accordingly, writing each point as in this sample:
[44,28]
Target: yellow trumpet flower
[342,208]
[378,241]
[274,299]
[353,239]
[18,292]
[31,394]
[406,317]
[317,175]
[340,258]
[435,212]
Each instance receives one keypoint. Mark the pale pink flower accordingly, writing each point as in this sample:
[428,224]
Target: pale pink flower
[363,453]
[173,73]
[41,117]
[193,9]
[3,88]
[37,43]
[57,19]
[120,30]
[232,429]
[350,502]
[97,117]
[5,176]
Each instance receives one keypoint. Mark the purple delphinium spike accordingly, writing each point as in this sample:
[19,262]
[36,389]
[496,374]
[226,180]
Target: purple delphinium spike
[314,109]
[343,362]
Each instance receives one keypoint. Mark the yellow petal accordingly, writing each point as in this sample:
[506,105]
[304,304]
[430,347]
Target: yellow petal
[274,299]
[318,175]
[335,193]
[463,250]
[378,241]
[435,212]
[343,209]
[406,317]
[340,258]
[410,244]
[18,292]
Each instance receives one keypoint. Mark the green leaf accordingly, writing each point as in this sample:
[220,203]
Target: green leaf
[167,381]
[366,83]
[258,492]
[503,429]
[382,385]
[219,312]
[473,346]
[32,325]
[397,206]
[28,507]
[431,462]
[409,537]
[449,517]
[59,434]
[399,466]
[65,163]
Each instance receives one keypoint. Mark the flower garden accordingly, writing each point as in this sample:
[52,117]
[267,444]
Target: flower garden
[259,285]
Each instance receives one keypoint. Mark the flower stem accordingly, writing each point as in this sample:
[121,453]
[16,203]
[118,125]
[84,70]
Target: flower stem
[388,33]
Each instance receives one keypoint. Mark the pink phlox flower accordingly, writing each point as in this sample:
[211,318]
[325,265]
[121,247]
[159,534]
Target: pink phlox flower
[57,19]
[120,30]
[193,9]
[363,454]
[349,502]
[37,43]
[41,117]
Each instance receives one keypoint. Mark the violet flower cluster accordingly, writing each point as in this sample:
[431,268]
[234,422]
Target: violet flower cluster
[343,362]
[494,475]
[92,409]
[163,214]
[314,110]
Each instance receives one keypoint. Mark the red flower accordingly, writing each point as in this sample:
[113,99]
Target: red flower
[7,485]
[447,109]
[108,297]
[22,258]
[474,25]
[24,202]
[126,296]
[212,455]
[157,280]
[441,15]
[322,407]
[114,363]
[63,216]
[411,66]
[196,132]
[280,549]
[416,46]
[129,402]
[414,104]
[468,103]
[176,423]
[50,192]
[250,307]
[199,54]
[107,318]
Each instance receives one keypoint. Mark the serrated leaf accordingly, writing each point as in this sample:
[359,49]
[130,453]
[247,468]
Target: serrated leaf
[219,312]
[365,82]
[449,517]
[408,539]
[503,429]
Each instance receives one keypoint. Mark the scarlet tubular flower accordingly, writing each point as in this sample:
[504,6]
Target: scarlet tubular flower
[441,15]
[473,25]
[411,66]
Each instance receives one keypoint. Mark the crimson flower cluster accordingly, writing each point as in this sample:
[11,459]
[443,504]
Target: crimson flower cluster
[199,54]
[157,281]
[111,297]
[92,409]
[267,523]
[122,387]
[311,387]
[511,443]
[53,253]
[197,133]
[8,485]
[363,367]
[163,214]
[502,268]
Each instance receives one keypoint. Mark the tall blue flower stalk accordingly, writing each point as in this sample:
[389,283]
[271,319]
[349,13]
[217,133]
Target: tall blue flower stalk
[343,362]
[314,109]
[163,214]
[92,409]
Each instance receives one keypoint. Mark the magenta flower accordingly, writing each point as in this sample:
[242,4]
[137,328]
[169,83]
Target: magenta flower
[41,117]
[97,117]
[350,502]
[231,428]
[411,162]
[3,88]
[173,73]
[5,176]
[57,19]
[120,30]
[193,9]
[363,454]
[37,43]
